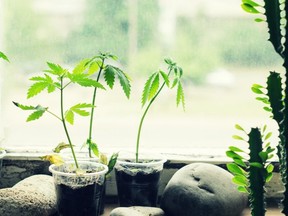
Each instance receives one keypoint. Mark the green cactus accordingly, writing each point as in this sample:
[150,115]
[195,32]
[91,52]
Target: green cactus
[252,170]
[275,13]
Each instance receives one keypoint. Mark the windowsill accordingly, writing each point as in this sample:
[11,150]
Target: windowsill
[28,162]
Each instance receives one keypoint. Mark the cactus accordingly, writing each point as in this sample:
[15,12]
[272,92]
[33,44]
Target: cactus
[276,13]
[252,170]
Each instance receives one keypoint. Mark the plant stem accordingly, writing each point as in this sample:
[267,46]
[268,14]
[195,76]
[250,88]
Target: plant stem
[143,117]
[53,114]
[65,127]
[93,107]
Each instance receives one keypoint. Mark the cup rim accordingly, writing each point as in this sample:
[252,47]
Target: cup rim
[156,159]
[102,172]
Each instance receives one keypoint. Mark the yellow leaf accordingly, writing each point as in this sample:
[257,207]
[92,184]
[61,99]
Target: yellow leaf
[54,159]
[103,158]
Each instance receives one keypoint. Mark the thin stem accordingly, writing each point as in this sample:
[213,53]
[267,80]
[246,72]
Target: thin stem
[53,114]
[93,107]
[64,125]
[143,117]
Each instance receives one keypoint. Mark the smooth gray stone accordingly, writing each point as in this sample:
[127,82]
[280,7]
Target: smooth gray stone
[202,189]
[32,196]
[137,211]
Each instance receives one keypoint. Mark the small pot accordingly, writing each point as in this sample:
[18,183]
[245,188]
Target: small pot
[2,155]
[79,194]
[138,183]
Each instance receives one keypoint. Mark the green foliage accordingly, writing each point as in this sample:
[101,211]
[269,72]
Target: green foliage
[152,89]
[3,56]
[252,170]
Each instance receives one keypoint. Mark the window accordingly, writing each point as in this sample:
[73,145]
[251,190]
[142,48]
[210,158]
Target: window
[215,42]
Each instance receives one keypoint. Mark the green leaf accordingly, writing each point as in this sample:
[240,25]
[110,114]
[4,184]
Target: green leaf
[145,92]
[237,137]
[256,164]
[24,107]
[249,8]
[242,189]
[35,115]
[256,90]
[235,169]
[124,81]
[270,168]
[3,56]
[239,162]
[55,69]
[235,149]
[268,135]
[165,78]
[82,80]
[180,95]
[259,20]
[240,180]
[112,162]
[94,147]
[109,76]
[233,155]
[94,67]
[69,116]
[250,2]
[175,82]
[60,147]
[36,88]
[238,127]
[268,177]
[80,67]
[268,109]
[154,87]
[263,156]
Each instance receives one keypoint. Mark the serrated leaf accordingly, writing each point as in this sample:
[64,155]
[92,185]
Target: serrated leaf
[180,95]
[3,56]
[175,82]
[24,107]
[83,80]
[80,67]
[109,76]
[165,78]
[55,69]
[35,115]
[36,88]
[145,92]
[154,87]
[124,82]
[69,116]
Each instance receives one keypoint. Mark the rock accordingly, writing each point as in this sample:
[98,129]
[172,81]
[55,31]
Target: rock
[202,189]
[32,196]
[137,211]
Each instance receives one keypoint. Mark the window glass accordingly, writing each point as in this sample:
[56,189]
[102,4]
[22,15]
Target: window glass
[221,50]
